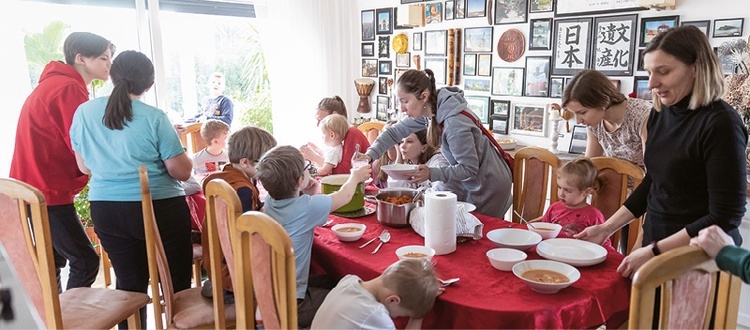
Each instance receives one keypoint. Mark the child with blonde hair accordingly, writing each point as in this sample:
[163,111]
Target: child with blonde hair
[334,128]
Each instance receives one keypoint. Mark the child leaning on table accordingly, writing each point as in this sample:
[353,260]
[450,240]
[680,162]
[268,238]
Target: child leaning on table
[293,203]
[575,182]
[406,288]
[334,128]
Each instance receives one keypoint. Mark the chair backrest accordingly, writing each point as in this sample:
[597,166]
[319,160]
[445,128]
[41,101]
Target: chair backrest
[695,294]
[371,130]
[29,246]
[223,207]
[191,138]
[614,175]
[264,250]
[534,181]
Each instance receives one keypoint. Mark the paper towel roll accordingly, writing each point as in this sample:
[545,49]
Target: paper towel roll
[440,221]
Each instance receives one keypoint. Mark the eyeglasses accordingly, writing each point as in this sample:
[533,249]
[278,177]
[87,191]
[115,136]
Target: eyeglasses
[307,165]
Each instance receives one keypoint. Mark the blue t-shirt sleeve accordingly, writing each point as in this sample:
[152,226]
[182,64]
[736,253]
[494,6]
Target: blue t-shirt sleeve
[75,131]
[168,142]
[320,208]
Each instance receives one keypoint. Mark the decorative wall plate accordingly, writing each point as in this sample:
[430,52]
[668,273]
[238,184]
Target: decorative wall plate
[400,44]
[511,45]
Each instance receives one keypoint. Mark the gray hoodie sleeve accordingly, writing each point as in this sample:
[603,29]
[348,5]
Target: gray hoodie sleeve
[394,135]
[459,144]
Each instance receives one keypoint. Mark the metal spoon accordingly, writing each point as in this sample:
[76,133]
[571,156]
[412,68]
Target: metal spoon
[384,238]
[524,220]
[449,281]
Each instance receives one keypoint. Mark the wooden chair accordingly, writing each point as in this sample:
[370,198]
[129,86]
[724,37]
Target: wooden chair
[695,294]
[613,177]
[264,250]
[186,309]
[26,237]
[534,181]
[191,138]
[223,207]
[371,130]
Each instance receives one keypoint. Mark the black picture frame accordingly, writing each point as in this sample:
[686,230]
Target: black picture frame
[396,26]
[449,10]
[383,85]
[540,34]
[571,49]
[381,108]
[499,124]
[368,49]
[578,140]
[459,11]
[480,106]
[653,26]
[384,49]
[411,1]
[556,87]
[436,42]
[728,27]
[500,108]
[476,8]
[614,44]
[403,60]
[640,60]
[537,76]
[510,12]
[385,67]
[640,88]
[470,64]
[507,81]
[416,44]
[484,65]
[369,67]
[478,39]
[594,7]
[704,26]
[384,21]
[368,25]
[541,6]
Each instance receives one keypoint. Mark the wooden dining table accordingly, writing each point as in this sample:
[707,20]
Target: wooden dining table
[484,297]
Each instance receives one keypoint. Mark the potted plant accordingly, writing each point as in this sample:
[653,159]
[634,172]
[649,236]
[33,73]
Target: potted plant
[83,208]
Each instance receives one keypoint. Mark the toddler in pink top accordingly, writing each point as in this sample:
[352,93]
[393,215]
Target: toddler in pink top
[575,182]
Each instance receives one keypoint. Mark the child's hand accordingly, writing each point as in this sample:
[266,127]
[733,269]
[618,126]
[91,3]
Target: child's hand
[310,186]
[361,174]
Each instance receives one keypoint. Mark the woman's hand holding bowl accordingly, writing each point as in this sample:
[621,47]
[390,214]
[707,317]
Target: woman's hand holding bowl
[423,173]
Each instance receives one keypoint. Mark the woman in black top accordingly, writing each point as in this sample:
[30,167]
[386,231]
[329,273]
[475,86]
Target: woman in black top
[694,153]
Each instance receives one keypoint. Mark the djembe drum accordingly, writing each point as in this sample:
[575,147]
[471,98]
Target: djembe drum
[364,87]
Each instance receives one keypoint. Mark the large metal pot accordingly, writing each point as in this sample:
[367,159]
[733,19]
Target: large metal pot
[334,182]
[391,214]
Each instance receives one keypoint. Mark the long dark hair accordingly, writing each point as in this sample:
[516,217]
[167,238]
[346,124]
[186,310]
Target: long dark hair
[415,82]
[87,44]
[132,73]
[333,105]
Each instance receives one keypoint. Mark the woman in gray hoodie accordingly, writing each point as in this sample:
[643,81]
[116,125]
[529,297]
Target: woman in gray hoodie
[474,161]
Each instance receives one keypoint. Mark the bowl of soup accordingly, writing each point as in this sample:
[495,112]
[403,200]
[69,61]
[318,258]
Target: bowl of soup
[546,276]
[415,251]
[545,229]
[349,232]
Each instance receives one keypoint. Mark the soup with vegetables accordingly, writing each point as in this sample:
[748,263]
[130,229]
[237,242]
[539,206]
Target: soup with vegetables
[348,229]
[545,276]
[414,255]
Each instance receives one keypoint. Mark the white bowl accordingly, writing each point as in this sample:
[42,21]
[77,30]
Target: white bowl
[545,229]
[568,271]
[514,238]
[349,236]
[404,250]
[507,144]
[574,252]
[504,259]
[400,171]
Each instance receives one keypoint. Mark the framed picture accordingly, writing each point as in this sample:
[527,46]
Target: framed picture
[499,125]
[397,74]
[507,81]
[731,27]
[640,59]
[727,63]
[470,64]
[616,83]
[476,8]
[436,43]
[410,1]
[640,87]
[556,87]
[578,140]
[704,26]
[476,85]
[385,67]
[460,10]
[449,10]
[571,46]
[382,108]
[403,60]
[433,13]
[383,49]
[480,106]
[383,85]
[437,65]
[652,26]
[529,119]
[590,7]
[540,6]
[510,11]
[396,25]
[500,108]
[368,25]
[484,65]
[369,67]
[384,18]
[539,36]
[567,81]
[614,44]
[537,76]
[416,41]
[368,49]
[478,39]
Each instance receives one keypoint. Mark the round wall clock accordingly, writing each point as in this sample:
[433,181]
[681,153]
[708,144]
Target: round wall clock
[511,45]
[400,44]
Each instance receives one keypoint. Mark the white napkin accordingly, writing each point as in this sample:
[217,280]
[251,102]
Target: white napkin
[467,225]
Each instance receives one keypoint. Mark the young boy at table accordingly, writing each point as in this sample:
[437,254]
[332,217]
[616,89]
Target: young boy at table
[244,147]
[211,158]
[334,128]
[576,181]
[406,288]
[293,203]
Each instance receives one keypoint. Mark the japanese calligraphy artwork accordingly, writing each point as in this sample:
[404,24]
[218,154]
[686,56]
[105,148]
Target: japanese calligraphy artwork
[614,44]
[570,51]
[587,7]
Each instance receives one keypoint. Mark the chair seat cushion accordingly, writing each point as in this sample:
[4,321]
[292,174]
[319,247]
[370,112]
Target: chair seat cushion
[89,308]
[191,310]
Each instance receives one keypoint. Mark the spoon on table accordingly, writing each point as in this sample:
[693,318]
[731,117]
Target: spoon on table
[524,220]
[448,281]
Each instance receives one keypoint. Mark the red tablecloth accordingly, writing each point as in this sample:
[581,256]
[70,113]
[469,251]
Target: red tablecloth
[484,297]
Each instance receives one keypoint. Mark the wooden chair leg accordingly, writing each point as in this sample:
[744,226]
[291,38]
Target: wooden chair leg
[106,266]
[197,276]
[134,320]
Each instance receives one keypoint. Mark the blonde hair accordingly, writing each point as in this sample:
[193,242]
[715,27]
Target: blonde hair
[278,171]
[415,282]
[335,123]
[689,45]
[249,142]
[212,128]
[580,172]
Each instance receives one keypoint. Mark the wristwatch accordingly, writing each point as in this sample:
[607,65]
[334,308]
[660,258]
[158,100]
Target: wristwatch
[655,248]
